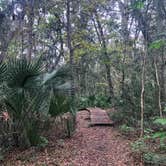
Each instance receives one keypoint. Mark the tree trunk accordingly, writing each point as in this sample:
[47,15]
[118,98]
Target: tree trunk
[125,34]
[158,87]
[69,41]
[30,29]
[143,91]
[106,57]
[162,78]
[161,28]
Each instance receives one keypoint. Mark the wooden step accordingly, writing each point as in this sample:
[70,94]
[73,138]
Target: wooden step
[99,116]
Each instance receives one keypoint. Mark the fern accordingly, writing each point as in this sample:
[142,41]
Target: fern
[161,121]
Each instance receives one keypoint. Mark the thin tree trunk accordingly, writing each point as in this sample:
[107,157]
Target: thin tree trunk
[159,89]
[106,57]
[143,90]
[160,16]
[123,72]
[123,5]
[69,40]
[30,29]
[162,78]
[97,32]
[61,54]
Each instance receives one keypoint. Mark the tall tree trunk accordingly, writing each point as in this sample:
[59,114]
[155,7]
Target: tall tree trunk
[69,43]
[143,90]
[162,78]
[141,18]
[61,53]
[30,29]
[106,57]
[125,34]
[160,20]
[158,87]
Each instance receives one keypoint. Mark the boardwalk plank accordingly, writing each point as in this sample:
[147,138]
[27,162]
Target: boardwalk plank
[99,116]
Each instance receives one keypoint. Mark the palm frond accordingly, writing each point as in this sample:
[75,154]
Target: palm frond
[2,71]
[59,104]
[63,88]
[22,73]
[57,77]
[15,101]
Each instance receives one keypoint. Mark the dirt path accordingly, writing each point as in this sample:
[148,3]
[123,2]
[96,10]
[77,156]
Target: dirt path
[90,146]
[98,145]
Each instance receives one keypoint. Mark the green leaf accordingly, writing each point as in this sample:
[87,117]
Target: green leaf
[2,71]
[161,121]
[49,76]
[23,74]
[157,44]
[138,5]
[59,104]
[160,135]
[57,77]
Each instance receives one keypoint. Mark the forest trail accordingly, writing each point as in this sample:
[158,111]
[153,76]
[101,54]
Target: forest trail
[89,146]
[98,145]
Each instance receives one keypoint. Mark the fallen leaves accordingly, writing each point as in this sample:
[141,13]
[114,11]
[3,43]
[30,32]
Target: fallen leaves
[89,146]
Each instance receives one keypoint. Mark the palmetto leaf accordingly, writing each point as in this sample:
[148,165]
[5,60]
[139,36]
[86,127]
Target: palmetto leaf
[57,77]
[2,71]
[59,104]
[27,84]
[27,93]
[66,87]
[15,100]
[48,76]
[23,74]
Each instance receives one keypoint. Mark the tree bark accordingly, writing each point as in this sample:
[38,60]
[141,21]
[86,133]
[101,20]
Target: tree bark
[106,57]
[162,78]
[69,43]
[125,34]
[142,95]
[30,29]
[158,87]
[161,15]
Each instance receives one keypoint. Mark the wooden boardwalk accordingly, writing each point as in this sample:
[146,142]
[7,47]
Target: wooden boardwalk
[99,116]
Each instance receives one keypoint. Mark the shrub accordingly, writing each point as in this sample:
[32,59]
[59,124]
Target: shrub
[154,159]
[43,142]
[126,129]
[59,104]
[93,100]
[161,133]
[25,93]
[121,117]
[139,146]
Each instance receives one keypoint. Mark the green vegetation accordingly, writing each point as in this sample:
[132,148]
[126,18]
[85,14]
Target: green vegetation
[29,97]
[153,145]
[59,56]
[93,101]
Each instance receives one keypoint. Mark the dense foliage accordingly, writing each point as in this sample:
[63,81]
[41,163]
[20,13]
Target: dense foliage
[109,53]
[27,99]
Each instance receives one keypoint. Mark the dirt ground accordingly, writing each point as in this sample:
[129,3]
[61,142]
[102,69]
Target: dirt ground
[89,146]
